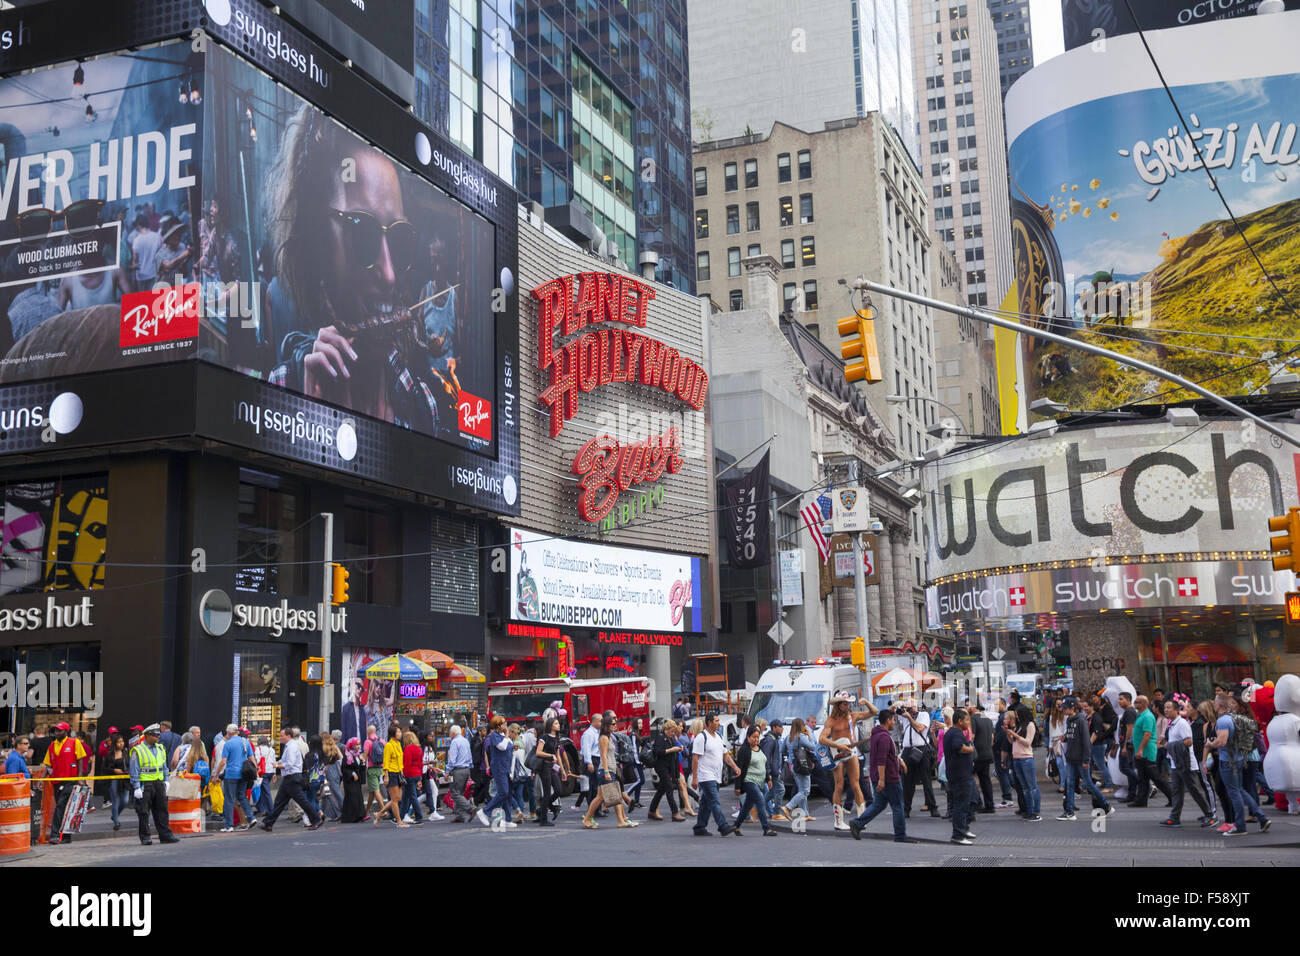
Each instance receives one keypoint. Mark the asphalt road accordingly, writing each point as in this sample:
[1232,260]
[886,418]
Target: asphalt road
[1130,838]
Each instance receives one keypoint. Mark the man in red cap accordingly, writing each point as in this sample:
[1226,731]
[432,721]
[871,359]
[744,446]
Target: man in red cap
[62,758]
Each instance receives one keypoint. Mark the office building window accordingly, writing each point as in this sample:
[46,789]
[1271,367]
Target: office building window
[751,216]
[702,267]
[370,530]
[809,249]
[754,249]
[751,174]
[701,181]
[271,540]
[805,209]
[729,177]
[733,261]
[733,220]
[788,292]
[810,294]
[737,300]
[701,224]
[805,164]
[787,253]
[787,210]
[783,168]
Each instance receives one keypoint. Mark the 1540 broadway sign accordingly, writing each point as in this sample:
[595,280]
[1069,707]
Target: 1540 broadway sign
[598,305]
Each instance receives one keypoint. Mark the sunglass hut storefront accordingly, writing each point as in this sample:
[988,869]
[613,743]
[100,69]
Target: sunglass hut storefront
[290,301]
[608,568]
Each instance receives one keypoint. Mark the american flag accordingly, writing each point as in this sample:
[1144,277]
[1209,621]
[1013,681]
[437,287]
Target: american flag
[812,517]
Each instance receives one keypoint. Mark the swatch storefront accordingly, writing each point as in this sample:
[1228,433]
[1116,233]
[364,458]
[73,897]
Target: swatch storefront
[1122,549]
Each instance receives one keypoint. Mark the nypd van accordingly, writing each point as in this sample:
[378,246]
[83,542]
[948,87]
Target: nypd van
[790,689]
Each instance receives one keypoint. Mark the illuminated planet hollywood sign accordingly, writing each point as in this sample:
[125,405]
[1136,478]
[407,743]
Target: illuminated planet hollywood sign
[591,310]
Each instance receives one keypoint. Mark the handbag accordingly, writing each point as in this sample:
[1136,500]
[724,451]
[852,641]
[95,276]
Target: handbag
[610,792]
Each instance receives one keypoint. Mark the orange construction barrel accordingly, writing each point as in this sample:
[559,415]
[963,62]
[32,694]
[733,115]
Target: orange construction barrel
[184,803]
[15,814]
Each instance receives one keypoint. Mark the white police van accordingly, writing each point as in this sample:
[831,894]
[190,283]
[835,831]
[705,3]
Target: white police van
[790,689]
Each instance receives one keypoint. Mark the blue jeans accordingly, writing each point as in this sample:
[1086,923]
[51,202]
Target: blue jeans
[310,793]
[1239,795]
[411,798]
[232,791]
[709,803]
[519,795]
[500,797]
[1129,769]
[1072,774]
[119,795]
[1028,777]
[892,797]
[803,783]
[264,802]
[776,795]
[753,799]
[1099,761]
[1004,781]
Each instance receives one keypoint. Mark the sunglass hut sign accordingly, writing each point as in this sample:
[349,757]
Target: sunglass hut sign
[591,310]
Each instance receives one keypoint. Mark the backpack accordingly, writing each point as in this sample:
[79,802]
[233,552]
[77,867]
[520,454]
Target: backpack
[648,753]
[376,757]
[623,748]
[1243,736]
[801,759]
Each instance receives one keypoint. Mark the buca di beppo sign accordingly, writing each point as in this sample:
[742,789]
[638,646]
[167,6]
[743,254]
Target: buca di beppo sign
[590,309]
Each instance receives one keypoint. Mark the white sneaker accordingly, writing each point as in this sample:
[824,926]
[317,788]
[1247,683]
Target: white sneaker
[227,830]
[408,819]
[482,818]
[436,817]
[510,824]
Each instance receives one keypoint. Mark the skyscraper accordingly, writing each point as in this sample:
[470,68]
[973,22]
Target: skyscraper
[963,141]
[584,100]
[758,62]
[1015,40]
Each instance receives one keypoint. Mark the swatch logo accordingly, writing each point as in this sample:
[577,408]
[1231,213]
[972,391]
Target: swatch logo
[164,315]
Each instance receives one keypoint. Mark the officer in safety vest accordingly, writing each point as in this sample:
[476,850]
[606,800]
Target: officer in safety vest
[149,784]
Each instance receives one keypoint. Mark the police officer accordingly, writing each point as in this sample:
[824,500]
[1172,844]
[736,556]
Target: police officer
[149,784]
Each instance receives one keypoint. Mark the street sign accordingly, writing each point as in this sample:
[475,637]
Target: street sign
[791,578]
[786,632]
[997,653]
[849,512]
[842,556]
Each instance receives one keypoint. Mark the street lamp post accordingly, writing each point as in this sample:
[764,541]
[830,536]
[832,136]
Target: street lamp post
[901,399]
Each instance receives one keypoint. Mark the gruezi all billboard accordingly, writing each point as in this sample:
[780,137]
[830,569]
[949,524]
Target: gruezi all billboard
[172,204]
[1118,237]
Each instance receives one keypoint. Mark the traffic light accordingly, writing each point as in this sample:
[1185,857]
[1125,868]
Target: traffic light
[1293,607]
[1286,543]
[858,653]
[339,588]
[860,332]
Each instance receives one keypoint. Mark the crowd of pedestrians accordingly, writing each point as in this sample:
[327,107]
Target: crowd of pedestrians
[1118,750]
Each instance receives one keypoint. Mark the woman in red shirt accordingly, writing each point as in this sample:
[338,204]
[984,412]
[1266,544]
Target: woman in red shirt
[412,772]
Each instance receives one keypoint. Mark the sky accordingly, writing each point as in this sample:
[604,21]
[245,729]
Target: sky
[1045,26]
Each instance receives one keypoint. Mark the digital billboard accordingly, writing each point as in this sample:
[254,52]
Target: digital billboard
[578,584]
[1118,236]
[1085,22]
[181,204]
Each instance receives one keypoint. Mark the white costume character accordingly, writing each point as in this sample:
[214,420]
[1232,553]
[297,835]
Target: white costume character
[1282,762]
[1114,687]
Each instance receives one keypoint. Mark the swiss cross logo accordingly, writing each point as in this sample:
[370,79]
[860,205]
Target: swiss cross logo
[165,315]
[1017,597]
[475,415]
[1187,587]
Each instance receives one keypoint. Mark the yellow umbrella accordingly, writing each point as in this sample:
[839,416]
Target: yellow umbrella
[461,673]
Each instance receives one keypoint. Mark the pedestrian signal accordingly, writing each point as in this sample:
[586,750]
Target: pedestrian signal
[1293,607]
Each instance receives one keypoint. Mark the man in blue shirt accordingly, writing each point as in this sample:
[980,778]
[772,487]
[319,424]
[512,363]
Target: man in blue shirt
[16,762]
[1231,767]
[230,769]
[459,763]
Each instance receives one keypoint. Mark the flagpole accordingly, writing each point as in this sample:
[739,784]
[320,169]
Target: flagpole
[743,457]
